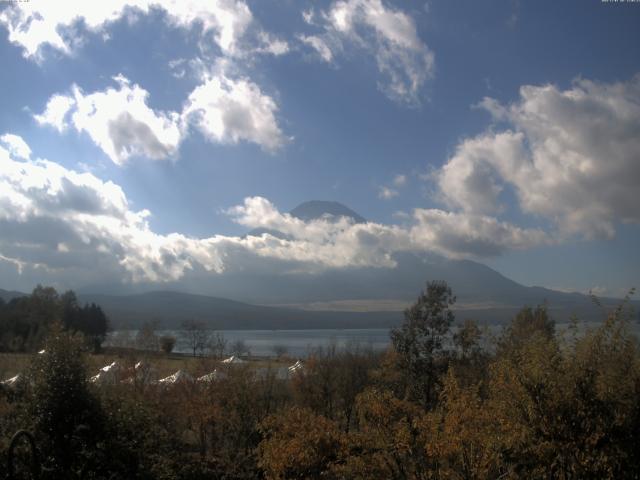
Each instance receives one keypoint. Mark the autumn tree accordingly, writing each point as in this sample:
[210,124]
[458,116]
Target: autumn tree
[527,323]
[389,441]
[462,435]
[299,444]
[467,338]
[419,341]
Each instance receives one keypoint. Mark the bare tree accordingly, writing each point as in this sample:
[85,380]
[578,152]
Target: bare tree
[239,348]
[146,338]
[196,334]
[217,345]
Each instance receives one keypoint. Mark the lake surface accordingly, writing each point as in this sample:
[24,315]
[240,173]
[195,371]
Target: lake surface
[299,343]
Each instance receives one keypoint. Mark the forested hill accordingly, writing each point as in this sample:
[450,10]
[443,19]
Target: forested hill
[170,309]
[7,295]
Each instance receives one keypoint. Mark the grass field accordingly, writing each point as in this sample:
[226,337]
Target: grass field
[14,363]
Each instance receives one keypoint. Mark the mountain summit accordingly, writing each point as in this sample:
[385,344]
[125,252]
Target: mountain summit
[316,209]
[313,210]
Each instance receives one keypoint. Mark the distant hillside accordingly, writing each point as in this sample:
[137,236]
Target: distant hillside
[7,295]
[170,309]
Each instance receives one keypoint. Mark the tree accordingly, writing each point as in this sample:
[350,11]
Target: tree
[146,338]
[299,444]
[65,412]
[217,345]
[167,343]
[526,324]
[196,335]
[239,348]
[90,320]
[467,338]
[419,341]
[389,442]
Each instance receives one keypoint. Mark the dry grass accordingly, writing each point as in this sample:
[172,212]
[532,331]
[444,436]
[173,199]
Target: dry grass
[14,363]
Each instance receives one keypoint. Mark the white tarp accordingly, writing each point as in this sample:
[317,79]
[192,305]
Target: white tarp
[233,360]
[211,377]
[296,367]
[179,377]
[13,382]
[145,372]
[109,374]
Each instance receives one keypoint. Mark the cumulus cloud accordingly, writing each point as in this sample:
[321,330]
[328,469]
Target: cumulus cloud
[460,235]
[228,111]
[470,179]
[570,156]
[61,221]
[33,25]
[120,121]
[16,145]
[55,113]
[390,35]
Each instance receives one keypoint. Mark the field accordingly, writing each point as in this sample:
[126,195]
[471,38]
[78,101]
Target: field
[13,363]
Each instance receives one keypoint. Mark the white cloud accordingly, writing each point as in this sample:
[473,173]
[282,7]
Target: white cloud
[228,111]
[387,193]
[319,45]
[56,112]
[462,235]
[470,179]
[390,35]
[75,224]
[33,25]
[118,120]
[16,145]
[270,44]
[400,180]
[309,16]
[570,156]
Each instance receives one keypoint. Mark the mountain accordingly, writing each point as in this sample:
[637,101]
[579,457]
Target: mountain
[482,292]
[316,209]
[7,295]
[170,309]
[312,210]
[340,298]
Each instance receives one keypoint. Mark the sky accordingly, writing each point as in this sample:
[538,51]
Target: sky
[140,141]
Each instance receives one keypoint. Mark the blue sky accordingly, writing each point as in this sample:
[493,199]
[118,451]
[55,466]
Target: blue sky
[501,131]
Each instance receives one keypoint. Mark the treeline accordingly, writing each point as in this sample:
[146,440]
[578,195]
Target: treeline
[26,321]
[531,403]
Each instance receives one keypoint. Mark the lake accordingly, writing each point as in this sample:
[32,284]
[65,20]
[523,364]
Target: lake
[299,343]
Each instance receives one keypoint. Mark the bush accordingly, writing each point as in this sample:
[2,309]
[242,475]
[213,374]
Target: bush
[167,343]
